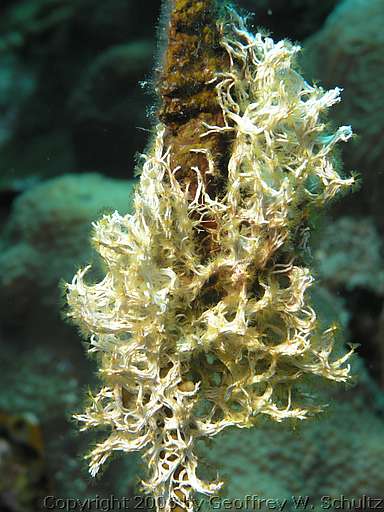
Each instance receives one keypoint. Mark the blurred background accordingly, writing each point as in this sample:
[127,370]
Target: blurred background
[76,108]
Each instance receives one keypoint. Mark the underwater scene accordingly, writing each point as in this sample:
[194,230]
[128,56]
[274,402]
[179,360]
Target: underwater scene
[191,255]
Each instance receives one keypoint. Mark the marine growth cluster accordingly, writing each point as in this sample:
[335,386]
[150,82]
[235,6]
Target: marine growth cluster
[203,321]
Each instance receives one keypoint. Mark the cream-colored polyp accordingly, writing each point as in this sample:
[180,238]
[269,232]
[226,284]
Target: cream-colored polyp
[189,346]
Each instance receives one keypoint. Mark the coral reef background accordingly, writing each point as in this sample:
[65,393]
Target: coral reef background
[76,105]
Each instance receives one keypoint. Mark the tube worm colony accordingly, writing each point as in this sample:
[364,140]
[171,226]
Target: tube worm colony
[202,321]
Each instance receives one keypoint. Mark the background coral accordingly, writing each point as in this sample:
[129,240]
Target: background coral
[47,234]
[41,454]
[348,250]
[348,50]
[335,455]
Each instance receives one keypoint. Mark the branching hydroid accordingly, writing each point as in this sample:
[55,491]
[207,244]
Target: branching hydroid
[203,321]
